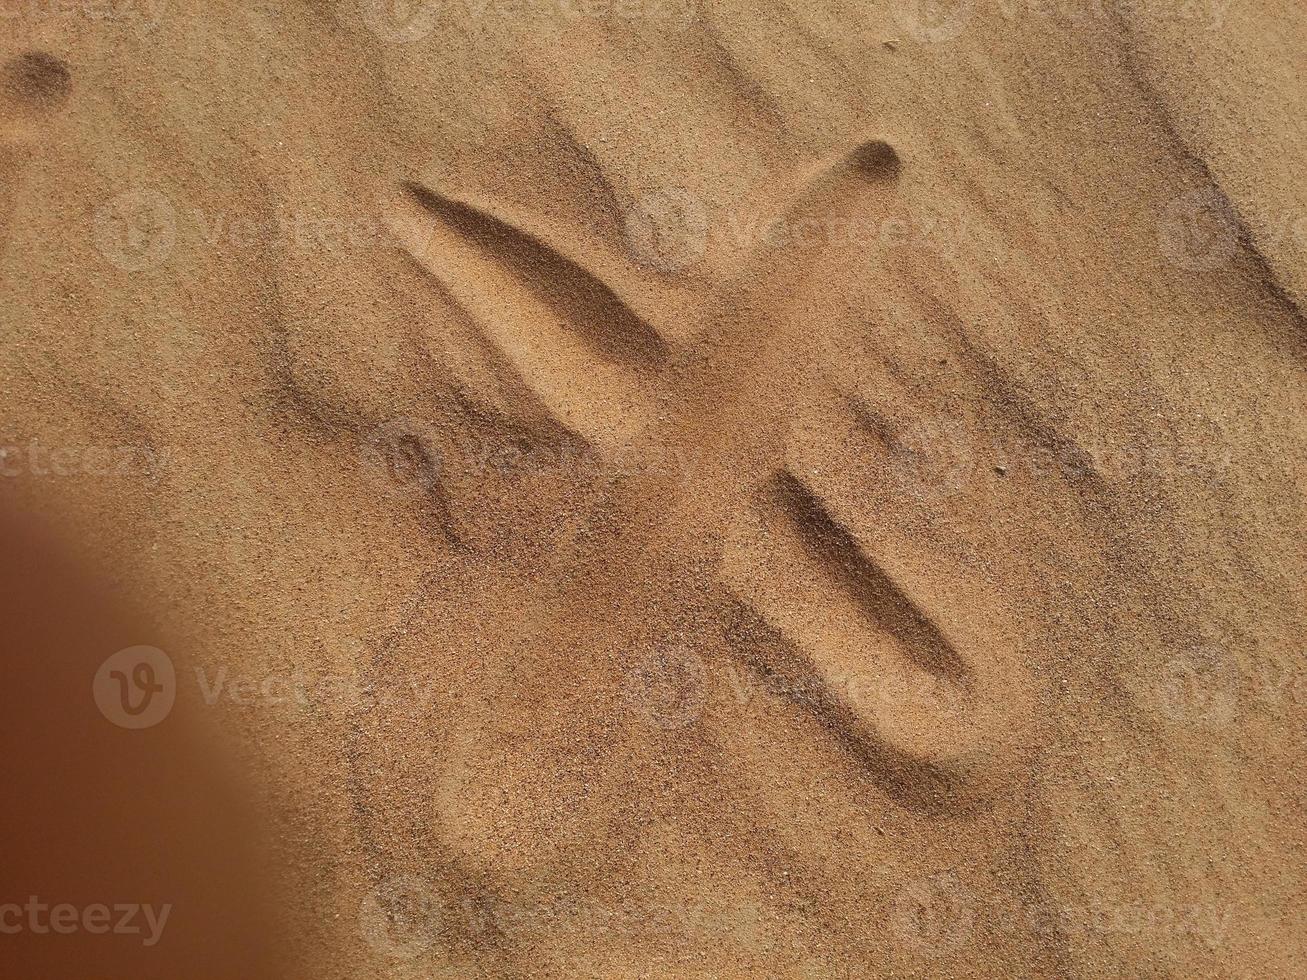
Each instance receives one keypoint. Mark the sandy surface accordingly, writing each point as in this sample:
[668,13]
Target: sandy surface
[695,489]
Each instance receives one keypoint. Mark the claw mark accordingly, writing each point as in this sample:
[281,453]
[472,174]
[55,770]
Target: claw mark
[891,681]
[607,325]
[833,187]
[580,351]
[886,605]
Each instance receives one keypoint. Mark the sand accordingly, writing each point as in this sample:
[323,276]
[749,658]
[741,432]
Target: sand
[657,488]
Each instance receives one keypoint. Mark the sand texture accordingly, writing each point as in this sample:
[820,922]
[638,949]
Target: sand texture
[694,488]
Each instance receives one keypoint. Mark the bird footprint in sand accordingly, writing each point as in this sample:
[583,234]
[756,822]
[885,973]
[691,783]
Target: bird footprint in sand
[900,685]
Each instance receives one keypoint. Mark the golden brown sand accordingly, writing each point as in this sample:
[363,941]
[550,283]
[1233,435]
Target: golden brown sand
[695,488]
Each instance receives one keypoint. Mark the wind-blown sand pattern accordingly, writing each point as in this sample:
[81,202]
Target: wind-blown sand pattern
[740,489]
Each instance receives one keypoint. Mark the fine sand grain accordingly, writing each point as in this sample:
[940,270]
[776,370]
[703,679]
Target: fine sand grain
[696,488]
